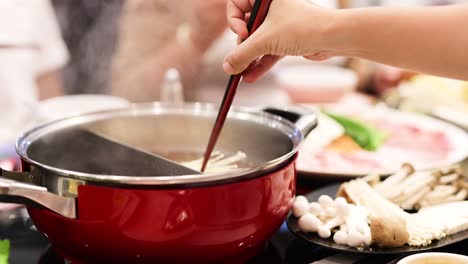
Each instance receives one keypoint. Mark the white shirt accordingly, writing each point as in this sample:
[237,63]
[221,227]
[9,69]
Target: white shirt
[30,45]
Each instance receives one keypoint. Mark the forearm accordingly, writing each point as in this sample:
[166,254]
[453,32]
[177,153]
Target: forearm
[433,40]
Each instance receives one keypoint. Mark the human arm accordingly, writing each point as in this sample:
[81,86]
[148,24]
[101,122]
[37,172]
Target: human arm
[427,39]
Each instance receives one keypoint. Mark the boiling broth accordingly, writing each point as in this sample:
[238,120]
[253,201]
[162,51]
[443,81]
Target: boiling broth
[192,156]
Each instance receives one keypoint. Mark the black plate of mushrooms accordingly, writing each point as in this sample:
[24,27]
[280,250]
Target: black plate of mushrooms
[426,209]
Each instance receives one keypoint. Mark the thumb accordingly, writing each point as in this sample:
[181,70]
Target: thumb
[248,51]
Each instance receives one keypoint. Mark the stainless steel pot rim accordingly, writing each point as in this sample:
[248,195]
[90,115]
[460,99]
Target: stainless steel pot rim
[198,109]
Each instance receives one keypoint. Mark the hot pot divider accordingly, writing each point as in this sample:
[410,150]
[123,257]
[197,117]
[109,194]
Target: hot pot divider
[84,151]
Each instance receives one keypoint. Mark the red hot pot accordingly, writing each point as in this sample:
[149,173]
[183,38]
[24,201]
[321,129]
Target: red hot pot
[136,218]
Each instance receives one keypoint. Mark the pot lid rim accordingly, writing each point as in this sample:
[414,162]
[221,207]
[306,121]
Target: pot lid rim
[201,109]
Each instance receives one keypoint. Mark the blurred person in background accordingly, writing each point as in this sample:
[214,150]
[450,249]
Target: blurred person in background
[124,47]
[32,53]
[155,35]
[89,29]
[189,35]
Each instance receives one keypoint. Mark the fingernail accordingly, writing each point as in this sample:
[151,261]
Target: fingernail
[228,68]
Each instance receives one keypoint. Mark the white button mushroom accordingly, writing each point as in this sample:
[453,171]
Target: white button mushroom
[355,239]
[362,227]
[342,207]
[325,201]
[367,238]
[300,206]
[344,228]
[340,237]
[340,201]
[330,212]
[324,232]
[309,223]
[315,208]
[327,214]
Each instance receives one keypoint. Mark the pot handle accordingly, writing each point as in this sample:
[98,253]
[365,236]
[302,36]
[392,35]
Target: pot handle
[303,118]
[14,191]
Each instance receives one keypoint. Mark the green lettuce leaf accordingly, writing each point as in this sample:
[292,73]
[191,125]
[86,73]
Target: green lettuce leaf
[365,136]
[4,251]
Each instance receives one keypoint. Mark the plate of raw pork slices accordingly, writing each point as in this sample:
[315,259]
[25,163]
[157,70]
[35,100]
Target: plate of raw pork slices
[356,141]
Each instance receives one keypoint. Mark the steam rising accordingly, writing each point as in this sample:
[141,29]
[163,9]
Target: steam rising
[89,28]
[125,47]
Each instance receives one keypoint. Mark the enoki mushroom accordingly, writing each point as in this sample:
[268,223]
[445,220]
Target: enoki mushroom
[218,162]
[415,190]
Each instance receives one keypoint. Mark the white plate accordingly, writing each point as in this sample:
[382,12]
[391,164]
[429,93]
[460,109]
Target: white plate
[63,106]
[457,137]
[313,83]
[52,109]
[434,258]
[458,118]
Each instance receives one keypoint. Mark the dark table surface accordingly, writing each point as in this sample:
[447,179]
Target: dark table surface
[30,246]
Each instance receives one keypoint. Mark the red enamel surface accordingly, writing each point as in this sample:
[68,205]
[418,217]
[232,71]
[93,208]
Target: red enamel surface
[228,222]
